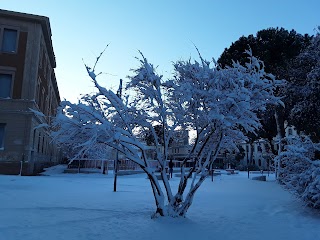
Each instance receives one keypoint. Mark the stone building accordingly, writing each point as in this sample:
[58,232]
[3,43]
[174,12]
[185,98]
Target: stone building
[28,87]
[179,148]
[260,154]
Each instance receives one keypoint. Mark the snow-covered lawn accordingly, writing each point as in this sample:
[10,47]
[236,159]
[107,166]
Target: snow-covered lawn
[84,207]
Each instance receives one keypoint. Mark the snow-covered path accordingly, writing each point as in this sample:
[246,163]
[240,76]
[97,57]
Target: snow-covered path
[83,207]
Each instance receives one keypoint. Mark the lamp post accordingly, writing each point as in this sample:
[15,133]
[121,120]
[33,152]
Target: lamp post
[247,150]
[21,164]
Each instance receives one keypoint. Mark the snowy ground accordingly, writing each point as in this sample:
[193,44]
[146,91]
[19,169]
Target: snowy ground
[84,207]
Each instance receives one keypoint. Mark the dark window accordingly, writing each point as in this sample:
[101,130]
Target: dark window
[42,145]
[34,139]
[2,126]
[9,40]
[5,85]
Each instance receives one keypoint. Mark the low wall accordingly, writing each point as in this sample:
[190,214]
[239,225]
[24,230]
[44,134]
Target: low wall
[28,169]
[13,168]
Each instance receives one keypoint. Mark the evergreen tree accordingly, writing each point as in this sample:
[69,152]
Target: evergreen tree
[305,88]
[277,48]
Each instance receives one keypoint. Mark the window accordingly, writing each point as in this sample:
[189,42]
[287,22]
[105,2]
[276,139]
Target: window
[9,40]
[2,126]
[42,145]
[5,85]
[39,137]
[34,139]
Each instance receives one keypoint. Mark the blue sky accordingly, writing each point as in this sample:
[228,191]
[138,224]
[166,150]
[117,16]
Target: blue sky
[163,30]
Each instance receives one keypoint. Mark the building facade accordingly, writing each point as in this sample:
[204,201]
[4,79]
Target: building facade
[28,87]
[179,148]
[259,153]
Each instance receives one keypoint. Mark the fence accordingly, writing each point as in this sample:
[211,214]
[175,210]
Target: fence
[124,164]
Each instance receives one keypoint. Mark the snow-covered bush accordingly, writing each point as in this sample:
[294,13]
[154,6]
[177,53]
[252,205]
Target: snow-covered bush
[218,104]
[311,179]
[299,170]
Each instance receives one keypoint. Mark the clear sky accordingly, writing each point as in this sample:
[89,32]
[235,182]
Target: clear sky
[164,30]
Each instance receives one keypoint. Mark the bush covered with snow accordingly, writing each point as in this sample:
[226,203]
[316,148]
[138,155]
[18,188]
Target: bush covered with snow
[300,170]
[311,178]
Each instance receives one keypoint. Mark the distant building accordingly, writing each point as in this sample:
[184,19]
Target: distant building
[27,81]
[179,148]
[260,153]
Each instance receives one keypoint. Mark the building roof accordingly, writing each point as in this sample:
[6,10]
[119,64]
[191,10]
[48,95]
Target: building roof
[42,20]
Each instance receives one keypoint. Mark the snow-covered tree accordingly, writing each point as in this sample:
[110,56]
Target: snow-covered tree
[305,115]
[277,48]
[300,169]
[217,103]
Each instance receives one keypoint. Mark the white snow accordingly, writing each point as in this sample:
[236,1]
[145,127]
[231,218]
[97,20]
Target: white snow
[84,207]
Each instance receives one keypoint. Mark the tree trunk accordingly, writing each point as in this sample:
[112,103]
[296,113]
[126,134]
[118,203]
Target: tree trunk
[116,163]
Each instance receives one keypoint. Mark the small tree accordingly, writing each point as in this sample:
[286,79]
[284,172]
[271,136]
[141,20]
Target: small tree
[216,103]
